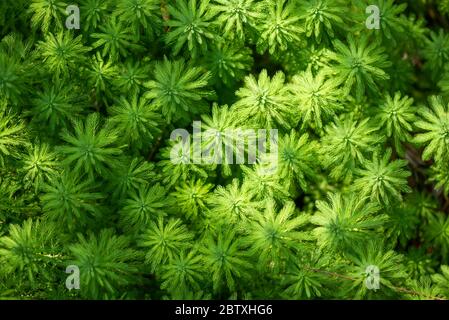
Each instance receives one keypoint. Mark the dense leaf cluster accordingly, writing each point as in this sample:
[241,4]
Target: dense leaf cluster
[87,175]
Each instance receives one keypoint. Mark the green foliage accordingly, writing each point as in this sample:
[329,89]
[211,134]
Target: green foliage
[94,12]
[129,175]
[106,263]
[220,138]
[346,144]
[316,97]
[140,15]
[235,16]
[56,106]
[437,233]
[265,183]
[191,26]
[381,180]
[393,23]
[403,223]
[176,168]
[191,197]
[131,77]
[436,52]
[435,123]
[321,17]
[12,133]
[395,118]
[280,28]
[183,273]
[228,64]
[69,200]
[136,120]
[40,165]
[274,235]
[375,254]
[338,136]
[442,280]
[345,220]
[264,101]
[178,88]
[100,74]
[360,65]
[142,206]
[419,263]
[115,39]
[45,12]
[234,203]
[423,289]
[13,78]
[295,163]
[92,148]
[62,52]
[27,251]
[223,255]
[302,279]
[439,175]
[164,240]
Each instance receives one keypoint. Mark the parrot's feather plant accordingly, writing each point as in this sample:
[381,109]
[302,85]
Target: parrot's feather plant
[224,149]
